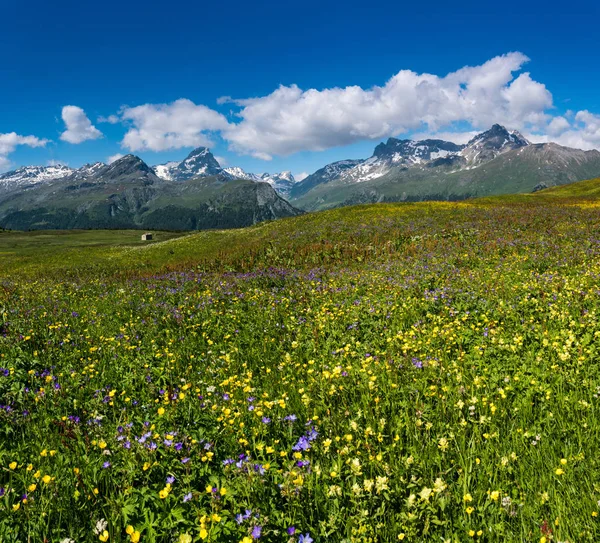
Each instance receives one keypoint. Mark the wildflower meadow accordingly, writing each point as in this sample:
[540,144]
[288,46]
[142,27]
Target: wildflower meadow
[395,372]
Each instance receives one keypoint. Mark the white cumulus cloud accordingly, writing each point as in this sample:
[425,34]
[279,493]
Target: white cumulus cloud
[10,141]
[454,106]
[300,176]
[291,119]
[79,127]
[584,133]
[158,127]
[111,119]
[557,126]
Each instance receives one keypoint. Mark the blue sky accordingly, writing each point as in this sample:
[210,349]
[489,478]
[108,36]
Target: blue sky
[135,60]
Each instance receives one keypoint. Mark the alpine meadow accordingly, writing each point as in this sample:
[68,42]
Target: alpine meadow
[412,372]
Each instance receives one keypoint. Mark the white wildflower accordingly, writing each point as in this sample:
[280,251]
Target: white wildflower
[101,525]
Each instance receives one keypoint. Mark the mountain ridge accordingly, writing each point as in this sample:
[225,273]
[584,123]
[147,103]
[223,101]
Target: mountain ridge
[496,161]
[128,194]
[200,162]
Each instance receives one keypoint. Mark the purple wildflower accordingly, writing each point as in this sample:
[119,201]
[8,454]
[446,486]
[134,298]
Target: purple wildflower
[303,444]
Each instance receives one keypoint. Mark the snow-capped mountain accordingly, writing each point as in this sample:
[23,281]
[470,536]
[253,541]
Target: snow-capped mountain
[238,173]
[497,161]
[31,175]
[285,176]
[397,154]
[34,175]
[491,143]
[336,168]
[199,163]
[128,194]
[88,170]
[411,153]
[322,176]
[281,182]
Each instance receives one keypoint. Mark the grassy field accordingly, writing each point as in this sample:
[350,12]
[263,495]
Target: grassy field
[40,250]
[398,372]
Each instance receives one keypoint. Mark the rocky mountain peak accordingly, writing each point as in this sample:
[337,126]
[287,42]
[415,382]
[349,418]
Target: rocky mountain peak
[126,168]
[282,176]
[129,163]
[411,152]
[498,137]
[199,163]
[489,144]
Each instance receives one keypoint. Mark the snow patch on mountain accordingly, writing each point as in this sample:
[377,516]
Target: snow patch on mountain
[88,170]
[164,171]
[236,172]
[32,175]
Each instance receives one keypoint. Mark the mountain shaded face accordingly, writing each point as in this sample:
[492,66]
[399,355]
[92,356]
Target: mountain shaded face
[129,164]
